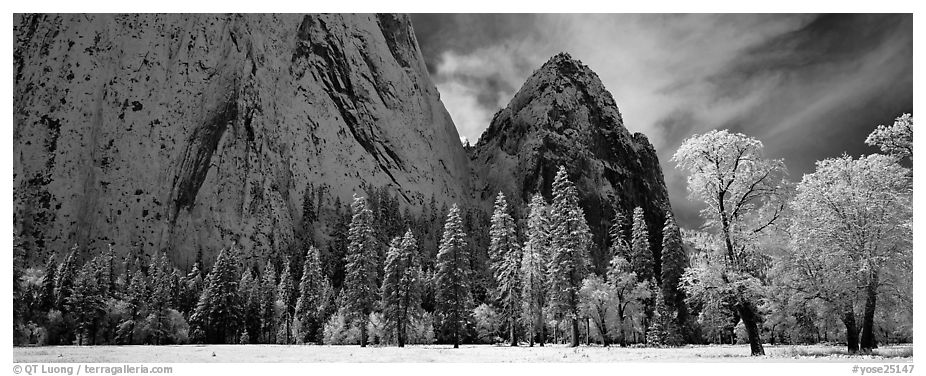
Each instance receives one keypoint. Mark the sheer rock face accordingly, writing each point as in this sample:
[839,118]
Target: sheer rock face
[563,115]
[180,133]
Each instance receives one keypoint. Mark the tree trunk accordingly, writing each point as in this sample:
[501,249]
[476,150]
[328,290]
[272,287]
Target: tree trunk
[750,321]
[575,332]
[530,338]
[848,319]
[620,318]
[588,332]
[363,333]
[400,334]
[604,334]
[514,339]
[868,337]
[543,328]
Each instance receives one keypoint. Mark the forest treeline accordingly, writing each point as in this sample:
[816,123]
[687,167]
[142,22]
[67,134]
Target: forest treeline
[825,259]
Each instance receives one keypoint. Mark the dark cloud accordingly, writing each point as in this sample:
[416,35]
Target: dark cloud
[808,86]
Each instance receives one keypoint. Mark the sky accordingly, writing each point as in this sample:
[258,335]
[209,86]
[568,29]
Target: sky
[808,86]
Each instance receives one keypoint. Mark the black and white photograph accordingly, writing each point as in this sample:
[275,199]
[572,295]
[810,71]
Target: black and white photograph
[461,187]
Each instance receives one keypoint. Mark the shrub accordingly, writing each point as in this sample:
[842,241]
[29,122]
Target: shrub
[338,332]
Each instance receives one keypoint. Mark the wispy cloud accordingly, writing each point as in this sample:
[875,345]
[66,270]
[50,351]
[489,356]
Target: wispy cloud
[809,86]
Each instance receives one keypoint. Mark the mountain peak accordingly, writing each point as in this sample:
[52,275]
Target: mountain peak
[564,116]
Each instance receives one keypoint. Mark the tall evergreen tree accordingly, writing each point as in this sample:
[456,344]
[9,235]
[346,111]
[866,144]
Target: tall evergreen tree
[360,287]
[268,287]
[453,297]
[159,300]
[642,255]
[569,259]
[311,290]
[64,279]
[505,255]
[656,331]
[136,295]
[286,299]
[109,264]
[47,290]
[86,301]
[534,267]
[218,312]
[617,237]
[249,295]
[401,286]
[674,261]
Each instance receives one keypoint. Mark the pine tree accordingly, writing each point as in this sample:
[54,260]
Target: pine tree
[109,277]
[286,295]
[642,255]
[218,312]
[674,261]
[136,295]
[360,286]
[308,305]
[569,259]
[268,285]
[617,237]
[505,254]
[192,287]
[401,288]
[86,301]
[453,297]
[534,267]
[249,293]
[159,300]
[47,290]
[64,279]
[656,331]
[642,259]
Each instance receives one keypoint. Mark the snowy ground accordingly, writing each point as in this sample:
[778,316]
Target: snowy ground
[440,353]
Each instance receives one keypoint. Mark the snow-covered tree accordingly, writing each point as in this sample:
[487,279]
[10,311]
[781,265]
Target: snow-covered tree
[47,290]
[895,139]
[360,286]
[311,294]
[853,222]
[674,261]
[454,300]
[745,195]
[597,301]
[86,301]
[534,267]
[505,255]
[401,288]
[628,293]
[249,295]
[268,317]
[285,300]
[569,258]
[656,331]
[217,313]
[159,301]
[616,236]
[642,255]
[64,279]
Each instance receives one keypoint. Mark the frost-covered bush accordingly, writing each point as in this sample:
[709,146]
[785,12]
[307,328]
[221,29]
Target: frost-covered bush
[421,330]
[338,332]
[488,322]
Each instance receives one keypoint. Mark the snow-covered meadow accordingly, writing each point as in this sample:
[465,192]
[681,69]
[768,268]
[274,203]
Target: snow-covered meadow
[443,353]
